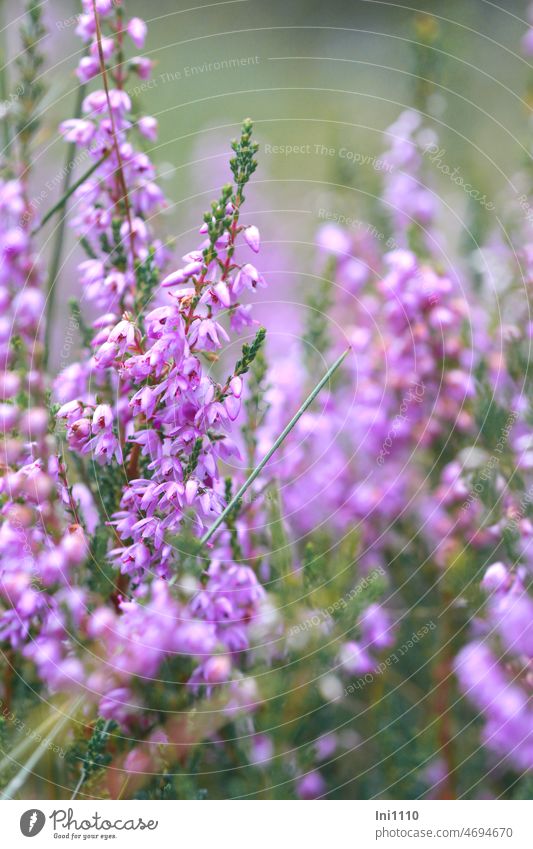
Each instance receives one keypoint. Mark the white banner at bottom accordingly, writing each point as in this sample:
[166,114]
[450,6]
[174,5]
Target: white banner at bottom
[262,825]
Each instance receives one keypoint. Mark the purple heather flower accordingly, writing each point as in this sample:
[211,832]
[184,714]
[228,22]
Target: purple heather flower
[147,126]
[311,785]
[376,627]
[88,67]
[527,42]
[182,274]
[326,746]
[332,239]
[247,277]
[496,578]
[262,749]
[137,30]
[513,616]
[252,237]
[142,66]
[206,334]
[355,660]
[77,130]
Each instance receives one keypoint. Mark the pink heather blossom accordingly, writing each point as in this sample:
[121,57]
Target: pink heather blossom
[311,786]
[137,30]
[252,238]
[147,126]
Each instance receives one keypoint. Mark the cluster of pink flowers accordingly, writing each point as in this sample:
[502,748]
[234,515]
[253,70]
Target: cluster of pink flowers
[144,403]
[417,343]
[410,383]
[41,539]
[407,198]
[21,297]
[377,633]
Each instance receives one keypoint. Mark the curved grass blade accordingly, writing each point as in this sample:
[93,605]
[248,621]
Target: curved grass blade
[257,471]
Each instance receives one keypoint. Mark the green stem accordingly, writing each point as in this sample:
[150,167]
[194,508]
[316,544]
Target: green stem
[257,471]
[62,201]
[4,86]
[78,787]
[12,757]
[60,235]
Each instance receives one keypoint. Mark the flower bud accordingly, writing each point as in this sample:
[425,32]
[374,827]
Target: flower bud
[252,238]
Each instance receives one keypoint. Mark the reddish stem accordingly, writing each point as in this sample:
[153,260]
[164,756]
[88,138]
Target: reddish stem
[120,169]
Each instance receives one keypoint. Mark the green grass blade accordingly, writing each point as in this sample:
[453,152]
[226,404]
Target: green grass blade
[53,273]
[66,715]
[62,201]
[257,471]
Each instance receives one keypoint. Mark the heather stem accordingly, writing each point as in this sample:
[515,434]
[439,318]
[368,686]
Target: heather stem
[78,787]
[120,169]
[443,675]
